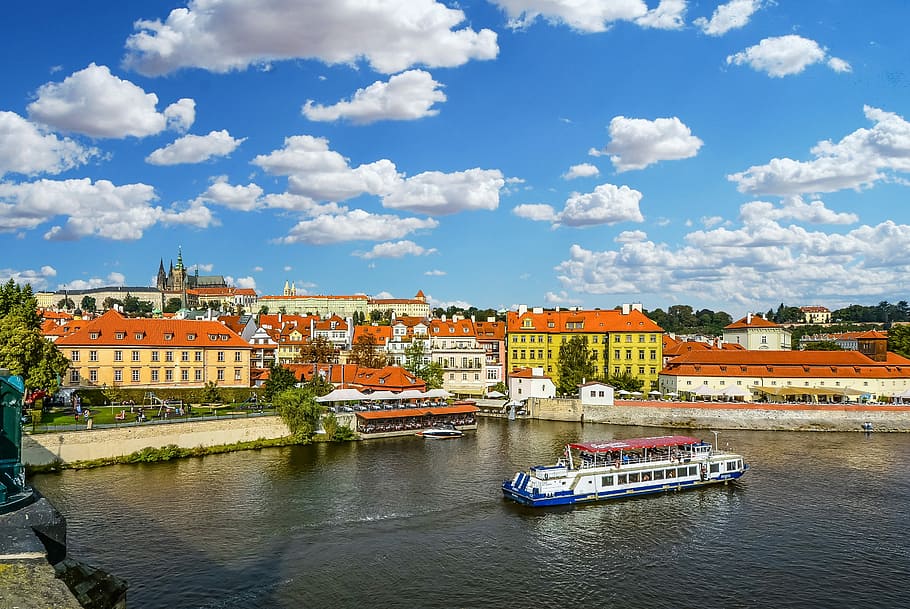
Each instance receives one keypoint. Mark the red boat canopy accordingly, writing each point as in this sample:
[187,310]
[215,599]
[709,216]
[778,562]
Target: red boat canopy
[634,443]
[402,413]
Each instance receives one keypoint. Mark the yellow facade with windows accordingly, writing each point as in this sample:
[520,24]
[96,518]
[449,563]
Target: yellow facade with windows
[619,341]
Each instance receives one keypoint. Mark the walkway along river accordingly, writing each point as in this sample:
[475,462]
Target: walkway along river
[819,521]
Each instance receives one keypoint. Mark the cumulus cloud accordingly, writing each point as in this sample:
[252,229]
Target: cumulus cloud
[195,148]
[560,298]
[859,160]
[234,34]
[396,249]
[760,261]
[435,273]
[245,282]
[607,204]
[96,103]
[113,279]
[355,225]
[590,16]
[98,209]
[406,96]
[37,279]
[583,170]
[637,142]
[242,198]
[317,172]
[438,193]
[785,55]
[27,149]
[730,16]
[539,212]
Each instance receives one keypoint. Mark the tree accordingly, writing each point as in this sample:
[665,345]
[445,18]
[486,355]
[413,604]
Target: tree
[66,303]
[300,411]
[626,381]
[23,348]
[173,305]
[899,340]
[822,345]
[318,350]
[110,303]
[88,304]
[418,363]
[280,379]
[574,365]
[366,352]
[263,310]
[210,394]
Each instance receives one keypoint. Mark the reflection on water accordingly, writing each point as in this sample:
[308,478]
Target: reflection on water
[818,522]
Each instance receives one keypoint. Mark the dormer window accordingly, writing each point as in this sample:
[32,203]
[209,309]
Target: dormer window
[213,337]
[168,336]
[119,335]
[138,336]
[191,336]
[224,337]
[93,336]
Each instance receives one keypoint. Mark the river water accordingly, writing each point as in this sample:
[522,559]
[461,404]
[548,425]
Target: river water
[821,520]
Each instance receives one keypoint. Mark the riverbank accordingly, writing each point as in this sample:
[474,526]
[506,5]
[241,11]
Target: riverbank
[724,415]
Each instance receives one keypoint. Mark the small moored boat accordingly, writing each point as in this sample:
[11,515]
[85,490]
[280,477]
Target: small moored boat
[440,432]
[598,471]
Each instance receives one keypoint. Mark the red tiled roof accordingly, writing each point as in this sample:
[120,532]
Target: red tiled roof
[152,332]
[809,364]
[757,321]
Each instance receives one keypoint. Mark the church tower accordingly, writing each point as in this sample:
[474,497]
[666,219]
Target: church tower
[161,281]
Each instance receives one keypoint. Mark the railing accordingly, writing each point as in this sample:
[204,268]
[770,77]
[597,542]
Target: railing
[154,420]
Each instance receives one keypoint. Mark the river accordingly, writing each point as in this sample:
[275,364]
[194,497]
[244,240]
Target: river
[819,521]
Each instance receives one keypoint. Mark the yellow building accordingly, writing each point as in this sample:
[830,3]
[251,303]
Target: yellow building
[619,341]
[117,351]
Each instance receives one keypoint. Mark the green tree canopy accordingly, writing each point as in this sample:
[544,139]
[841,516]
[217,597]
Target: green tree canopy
[574,365]
[173,305]
[300,411]
[625,380]
[822,345]
[318,350]
[66,303]
[88,304]
[280,379]
[366,352]
[418,363]
[899,340]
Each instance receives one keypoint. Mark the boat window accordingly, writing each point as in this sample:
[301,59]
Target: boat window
[715,467]
[621,479]
[693,470]
[646,476]
[739,465]
[731,465]
[636,477]
[606,481]
[671,473]
[658,474]
[682,471]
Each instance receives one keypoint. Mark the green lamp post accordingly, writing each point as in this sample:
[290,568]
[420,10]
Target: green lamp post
[13,491]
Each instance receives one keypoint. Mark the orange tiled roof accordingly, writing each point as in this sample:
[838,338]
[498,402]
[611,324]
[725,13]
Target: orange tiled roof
[592,322]
[453,329]
[757,321]
[809,364]
[392,378]
[152,332]
[814,309]
[381,333]
[495,330]
[526,373]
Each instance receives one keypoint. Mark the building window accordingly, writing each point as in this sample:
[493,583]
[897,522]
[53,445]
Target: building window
[168,356]
[184,375]
[198,356]
[628,354]
[641,338]
[464,376]
[220,356]
[74,378]
[118,376]
[119,335]
[93,356]
[198,374]
[184,356]
[628,338]
[74,356]
[764,340]
[654,338]
[118,356]
[641,369]
[135,356]
[93,336]
[238,356]
[154,356]
[169,376]
[135,376]
[93,376]
[155,376]
[237,374]
[641,354]
[653,353]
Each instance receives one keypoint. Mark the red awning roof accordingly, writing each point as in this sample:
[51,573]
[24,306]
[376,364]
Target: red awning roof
[416,412]
[634,443]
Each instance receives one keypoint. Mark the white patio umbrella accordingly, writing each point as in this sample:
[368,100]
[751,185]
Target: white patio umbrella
[496,394]
[654,392]
[410,394]
[704,390]
[438,393]
[384,394]
[623,392]
[736,392]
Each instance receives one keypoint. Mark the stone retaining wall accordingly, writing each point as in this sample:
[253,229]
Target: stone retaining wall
[104,443]
[719,416]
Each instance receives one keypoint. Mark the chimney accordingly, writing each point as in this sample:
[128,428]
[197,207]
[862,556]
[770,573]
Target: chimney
[626,308]
[522,309]
[748,318]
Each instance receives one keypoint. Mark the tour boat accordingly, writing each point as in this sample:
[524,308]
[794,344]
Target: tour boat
[440,432]
[599,471]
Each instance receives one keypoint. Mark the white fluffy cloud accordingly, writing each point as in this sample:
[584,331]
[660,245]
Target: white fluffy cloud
[96,103]
[37,279]
[593,15]
[234,34]
[759,262]
[438,193]
[243,198]
[435,273]
[859,160]
[94,282]
[396,249]
[195,148]
[730,16]
[607,204]
[406,96]
[242,282]
[583,170]
[26,149]
[322,174]
[355,225]
[785,55]
[636,143]
[98,209]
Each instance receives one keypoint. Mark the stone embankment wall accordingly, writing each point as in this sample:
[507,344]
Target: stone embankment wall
[105,443]
[771,417]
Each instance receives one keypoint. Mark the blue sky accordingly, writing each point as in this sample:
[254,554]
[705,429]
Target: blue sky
[730,155]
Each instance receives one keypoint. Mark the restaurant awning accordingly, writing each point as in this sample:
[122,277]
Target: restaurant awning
[402,413]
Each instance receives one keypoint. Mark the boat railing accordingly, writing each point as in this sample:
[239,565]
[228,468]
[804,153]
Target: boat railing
[589,463]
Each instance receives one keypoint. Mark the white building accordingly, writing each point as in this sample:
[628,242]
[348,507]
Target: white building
[755,333]
[530,383]
[595,393]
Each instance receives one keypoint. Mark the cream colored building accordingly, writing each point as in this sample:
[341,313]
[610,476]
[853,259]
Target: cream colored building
[49,300]
[755,333]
